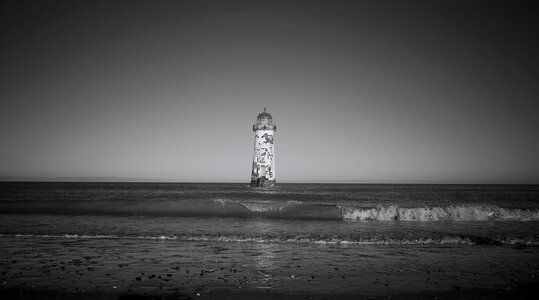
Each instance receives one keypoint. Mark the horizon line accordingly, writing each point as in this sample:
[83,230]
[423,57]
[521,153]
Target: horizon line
[137,180]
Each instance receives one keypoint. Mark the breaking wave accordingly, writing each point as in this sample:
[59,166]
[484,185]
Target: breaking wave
[466,240]
[271,209]
[441,213]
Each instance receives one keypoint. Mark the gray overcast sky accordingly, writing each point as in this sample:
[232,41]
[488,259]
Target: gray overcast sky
[382,91]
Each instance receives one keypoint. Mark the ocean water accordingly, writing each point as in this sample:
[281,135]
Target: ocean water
[295,238]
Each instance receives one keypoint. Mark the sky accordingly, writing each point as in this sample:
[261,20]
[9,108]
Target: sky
[370,91]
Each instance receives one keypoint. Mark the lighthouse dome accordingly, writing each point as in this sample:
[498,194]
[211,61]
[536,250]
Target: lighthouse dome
[264,116]
[264,121]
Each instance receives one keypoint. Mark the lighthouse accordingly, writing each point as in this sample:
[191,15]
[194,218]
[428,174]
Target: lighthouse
[263,174]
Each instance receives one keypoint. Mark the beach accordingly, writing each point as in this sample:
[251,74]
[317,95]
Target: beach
[134,267]
[94,255]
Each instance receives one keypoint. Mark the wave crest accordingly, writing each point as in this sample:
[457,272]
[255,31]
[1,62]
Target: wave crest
[440,213]
[290,209]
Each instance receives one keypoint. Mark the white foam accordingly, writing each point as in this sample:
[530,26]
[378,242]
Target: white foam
[440,213]
[294,240]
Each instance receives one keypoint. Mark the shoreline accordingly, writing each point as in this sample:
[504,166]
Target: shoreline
[522,291]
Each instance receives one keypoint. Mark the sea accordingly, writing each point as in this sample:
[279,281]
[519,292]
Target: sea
[199,239]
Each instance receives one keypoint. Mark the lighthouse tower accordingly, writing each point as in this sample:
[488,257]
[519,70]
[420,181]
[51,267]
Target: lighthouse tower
[263,174]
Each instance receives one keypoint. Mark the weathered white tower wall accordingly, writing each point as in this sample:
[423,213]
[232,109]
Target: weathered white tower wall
[263,173]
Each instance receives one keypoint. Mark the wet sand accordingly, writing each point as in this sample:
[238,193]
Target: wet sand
[528,291]
[37,268]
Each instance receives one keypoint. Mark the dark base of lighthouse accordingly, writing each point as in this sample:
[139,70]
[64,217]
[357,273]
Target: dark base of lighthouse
[262,182]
